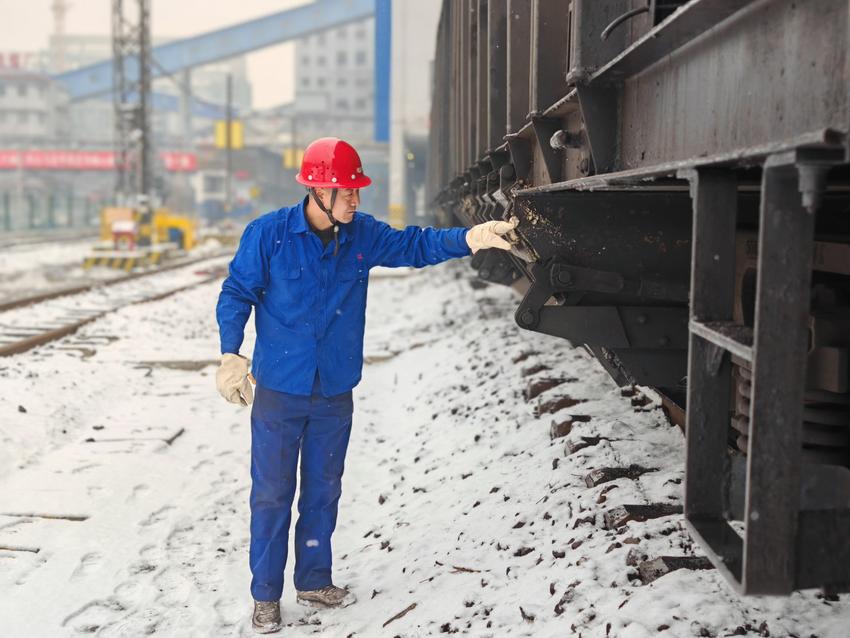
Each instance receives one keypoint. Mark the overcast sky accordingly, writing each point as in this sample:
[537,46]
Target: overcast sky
[25,25]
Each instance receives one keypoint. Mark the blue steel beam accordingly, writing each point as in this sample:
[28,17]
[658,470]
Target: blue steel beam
[166,103]
[229,42]
[163,102]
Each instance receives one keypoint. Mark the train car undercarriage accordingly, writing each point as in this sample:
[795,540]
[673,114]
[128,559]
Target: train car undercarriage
[680,174]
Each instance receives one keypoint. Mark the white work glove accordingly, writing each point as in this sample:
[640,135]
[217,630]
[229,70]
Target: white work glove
[489,235]
[233,379]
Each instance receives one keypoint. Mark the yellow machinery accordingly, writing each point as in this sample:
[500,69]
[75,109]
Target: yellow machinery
[171,234]
[169,227]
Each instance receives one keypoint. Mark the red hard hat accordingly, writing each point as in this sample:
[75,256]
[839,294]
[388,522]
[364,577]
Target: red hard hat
[330,162]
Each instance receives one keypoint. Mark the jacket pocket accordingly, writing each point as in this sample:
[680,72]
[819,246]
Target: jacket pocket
[287,296]
[291,273]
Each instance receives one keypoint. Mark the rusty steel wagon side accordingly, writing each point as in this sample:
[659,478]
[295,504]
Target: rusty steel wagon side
[680,173]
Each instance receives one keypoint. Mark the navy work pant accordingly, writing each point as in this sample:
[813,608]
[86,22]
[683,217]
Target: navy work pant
[282,425]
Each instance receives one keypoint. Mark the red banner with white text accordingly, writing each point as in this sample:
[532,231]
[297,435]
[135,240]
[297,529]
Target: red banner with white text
[38,160]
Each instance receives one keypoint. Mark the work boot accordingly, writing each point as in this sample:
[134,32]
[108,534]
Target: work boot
[326,597]
[266,618]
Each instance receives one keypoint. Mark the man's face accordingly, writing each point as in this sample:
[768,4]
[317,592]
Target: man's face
[347,201]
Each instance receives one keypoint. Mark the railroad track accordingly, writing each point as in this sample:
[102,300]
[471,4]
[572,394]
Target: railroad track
[21,302]
[35,321]
[30,239]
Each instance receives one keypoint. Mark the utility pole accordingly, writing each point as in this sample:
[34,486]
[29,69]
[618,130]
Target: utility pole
[144,175]
[293,142]
[131,86]
[228,141]
[60,10]
[19,180]
[186,109]
[182,197]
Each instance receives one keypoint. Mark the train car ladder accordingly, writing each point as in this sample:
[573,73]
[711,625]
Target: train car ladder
[784,541]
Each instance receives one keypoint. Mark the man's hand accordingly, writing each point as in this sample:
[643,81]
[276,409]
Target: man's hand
[233,379]
[489,235]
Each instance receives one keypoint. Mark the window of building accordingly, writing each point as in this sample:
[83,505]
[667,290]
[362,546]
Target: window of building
[320,38]
[305,61]
[22,89]
[360,104]
[342,33]
[213,183]
[2,90]
[22,117]
[320,82]
[342,104]
[320,61]
[341,58]
[343,82]
[360,58]
[305,82]
[360,34]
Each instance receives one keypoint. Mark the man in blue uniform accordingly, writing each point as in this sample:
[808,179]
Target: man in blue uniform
[304,271]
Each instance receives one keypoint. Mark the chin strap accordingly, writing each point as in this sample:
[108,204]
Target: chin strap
[328,212]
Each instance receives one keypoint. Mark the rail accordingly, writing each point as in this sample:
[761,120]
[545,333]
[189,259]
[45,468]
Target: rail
[36,321]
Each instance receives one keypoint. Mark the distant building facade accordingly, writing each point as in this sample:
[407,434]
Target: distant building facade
[334,82]
[33,108]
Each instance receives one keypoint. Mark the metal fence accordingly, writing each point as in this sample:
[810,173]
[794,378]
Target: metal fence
[47,211]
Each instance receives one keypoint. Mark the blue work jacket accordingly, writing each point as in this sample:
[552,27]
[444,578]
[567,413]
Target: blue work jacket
[310,306]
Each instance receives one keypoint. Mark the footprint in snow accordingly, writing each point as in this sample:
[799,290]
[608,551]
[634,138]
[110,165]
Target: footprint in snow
[197,466]
[231,611]
[83,468]
[94,615]
[138,491]
[138,568]
[128,589]
[175,589]
[156,517]
[88,564]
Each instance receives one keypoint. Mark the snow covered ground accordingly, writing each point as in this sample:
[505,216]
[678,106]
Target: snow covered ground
[30,269]
[128,474]
[38,267]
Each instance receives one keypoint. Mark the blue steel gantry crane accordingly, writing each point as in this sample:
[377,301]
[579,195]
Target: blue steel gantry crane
[171,58]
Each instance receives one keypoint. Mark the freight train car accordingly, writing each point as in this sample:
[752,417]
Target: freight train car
[680,173]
